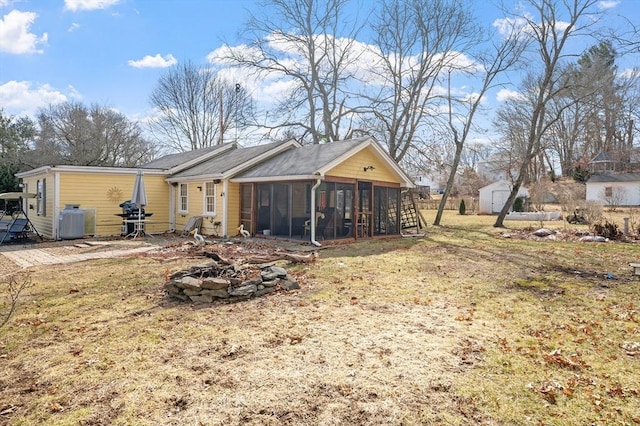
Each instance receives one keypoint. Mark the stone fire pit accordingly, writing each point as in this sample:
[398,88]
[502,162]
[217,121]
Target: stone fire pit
[214,282]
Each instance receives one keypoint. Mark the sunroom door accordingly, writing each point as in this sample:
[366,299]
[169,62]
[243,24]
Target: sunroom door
[246,206]
[364,213]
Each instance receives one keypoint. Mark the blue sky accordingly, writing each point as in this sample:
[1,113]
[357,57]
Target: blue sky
[112,52]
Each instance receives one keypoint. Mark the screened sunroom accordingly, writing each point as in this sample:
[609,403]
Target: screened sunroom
[358,209]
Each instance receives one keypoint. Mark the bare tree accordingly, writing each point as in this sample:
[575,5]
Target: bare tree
[598,107]
[196,108]
[298,42]
[72,133]
[460,119]
[557,22]
[418,42]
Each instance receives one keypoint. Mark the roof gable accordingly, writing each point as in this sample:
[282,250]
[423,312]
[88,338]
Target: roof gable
[312,161]
[601,157]
[304,161]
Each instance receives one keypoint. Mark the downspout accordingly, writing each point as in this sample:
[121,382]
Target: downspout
[313,213]
[172,207]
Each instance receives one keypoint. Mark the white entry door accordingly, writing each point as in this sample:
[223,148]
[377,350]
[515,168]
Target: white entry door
[498,200]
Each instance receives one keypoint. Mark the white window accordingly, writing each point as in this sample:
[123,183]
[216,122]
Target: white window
[608,191]
[209,198]
[41,197]
[183,199]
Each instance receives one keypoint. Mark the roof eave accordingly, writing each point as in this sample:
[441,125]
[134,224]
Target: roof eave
[276,178]
[89,169]
[198,178]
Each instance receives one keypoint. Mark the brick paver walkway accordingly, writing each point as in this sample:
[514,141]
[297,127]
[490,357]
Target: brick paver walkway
[34,257]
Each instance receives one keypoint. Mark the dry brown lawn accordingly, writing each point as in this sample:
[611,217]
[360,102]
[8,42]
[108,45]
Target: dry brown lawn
[462,326]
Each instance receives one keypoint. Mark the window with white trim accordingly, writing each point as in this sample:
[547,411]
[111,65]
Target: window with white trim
[183,198]
[41,197]
[209,198]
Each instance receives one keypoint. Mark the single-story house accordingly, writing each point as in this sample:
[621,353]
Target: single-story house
[493,197]
[351,189]
[614,189]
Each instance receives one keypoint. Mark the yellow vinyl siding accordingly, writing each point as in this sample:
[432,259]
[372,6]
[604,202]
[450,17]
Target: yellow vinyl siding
[353,167]
[233,209]
[43,224]
[105,191]
[183,217]
[196,207]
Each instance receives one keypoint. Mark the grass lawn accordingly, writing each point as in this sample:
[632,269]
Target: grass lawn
[467,325]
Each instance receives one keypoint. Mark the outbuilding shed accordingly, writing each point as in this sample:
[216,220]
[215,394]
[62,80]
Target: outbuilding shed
[614,189]
[494,196]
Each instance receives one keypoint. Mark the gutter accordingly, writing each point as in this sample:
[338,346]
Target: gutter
[313,213]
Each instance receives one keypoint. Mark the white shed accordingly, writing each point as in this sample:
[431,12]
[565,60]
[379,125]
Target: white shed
[621,189]
[494,196]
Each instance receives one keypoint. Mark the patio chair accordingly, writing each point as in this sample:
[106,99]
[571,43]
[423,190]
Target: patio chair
[194,222]
[17,229]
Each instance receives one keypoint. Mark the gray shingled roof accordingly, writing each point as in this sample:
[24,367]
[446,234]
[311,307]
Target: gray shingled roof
[619,177]
[227,161]
[172,160]
[303,161]
[601,157]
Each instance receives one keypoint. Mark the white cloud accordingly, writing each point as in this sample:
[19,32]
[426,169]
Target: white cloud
[74,26]
[506,94]
[156,61]
[607,4]
[75,5]
[508,26]
[629,73]
[21,98]
[522,25]
[4,3]
[73,93]
[15,36]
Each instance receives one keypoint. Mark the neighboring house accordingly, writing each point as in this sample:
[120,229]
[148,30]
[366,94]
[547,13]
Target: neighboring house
[425,184]
[492,168]
[353,187]
[602,163]
[622,189]
[493,197]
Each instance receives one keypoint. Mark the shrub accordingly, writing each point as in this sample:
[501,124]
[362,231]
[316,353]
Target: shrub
[518,204]
[463,208]
[581,174]
[608,230]
[12,289]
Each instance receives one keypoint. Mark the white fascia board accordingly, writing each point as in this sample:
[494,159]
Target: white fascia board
[34,172]
[199,178]
[90,169]
[362,145]
[408,183]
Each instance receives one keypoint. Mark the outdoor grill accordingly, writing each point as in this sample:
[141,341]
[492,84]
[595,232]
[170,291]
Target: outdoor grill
[130,213]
